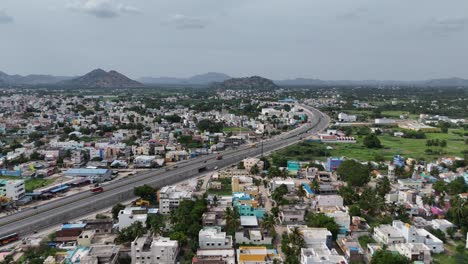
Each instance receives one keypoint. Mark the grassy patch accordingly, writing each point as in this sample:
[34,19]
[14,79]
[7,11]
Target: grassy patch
[35,183]
[407,147]
[235,129]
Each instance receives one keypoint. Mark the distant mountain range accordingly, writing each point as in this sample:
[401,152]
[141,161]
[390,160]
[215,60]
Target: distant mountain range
[201,79]
[444,82]
[101,78]
[31,79]
[246,83]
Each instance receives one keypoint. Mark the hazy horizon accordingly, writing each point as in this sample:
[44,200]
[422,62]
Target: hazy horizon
[328,40]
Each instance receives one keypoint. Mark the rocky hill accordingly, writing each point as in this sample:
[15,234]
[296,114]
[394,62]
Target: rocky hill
[247,83]
[31,79]
[101,79]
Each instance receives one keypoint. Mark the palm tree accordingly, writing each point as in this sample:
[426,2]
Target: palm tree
[269,223]
[301,192]
[459,207]
[314,185]
[232,218]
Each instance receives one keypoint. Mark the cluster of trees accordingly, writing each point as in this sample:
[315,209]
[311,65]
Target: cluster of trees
[278,194]
[186,224]
[146,192]
[211,126]
[354,173]
[454,187]
[414,134]
[291,245]
[232,217]
[372,141]
[436,142]
[322,220]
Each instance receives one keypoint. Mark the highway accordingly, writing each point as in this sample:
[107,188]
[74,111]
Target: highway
[74,206]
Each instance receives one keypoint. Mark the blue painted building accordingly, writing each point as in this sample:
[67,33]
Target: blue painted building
[333,163]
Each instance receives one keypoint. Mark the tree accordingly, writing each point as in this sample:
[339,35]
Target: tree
[279,192]
[387,257]
[146,192]
[354,173]
[130,233]
[300,192]
[439,186]
[372,141]
[457,186]
[155,222]
[254,170]
[314,185]
[116,210]
[210,126]
[269,223]
[383,186]
[349,195]
[240,165]
[322,220]
[232,218]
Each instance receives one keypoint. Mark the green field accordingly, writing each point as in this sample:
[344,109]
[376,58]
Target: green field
[388,114]
[31,184]
[235,129]
[451,256]
[407,147]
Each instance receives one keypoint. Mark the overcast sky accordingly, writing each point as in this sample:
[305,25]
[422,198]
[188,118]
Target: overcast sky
[326,39]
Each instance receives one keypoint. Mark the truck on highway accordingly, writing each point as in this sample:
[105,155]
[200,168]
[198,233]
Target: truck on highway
[97,188]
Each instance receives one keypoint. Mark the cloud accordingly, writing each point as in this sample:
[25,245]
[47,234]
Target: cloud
[102,8]
[355,14]
[5,18]
[444,27]
[183,22]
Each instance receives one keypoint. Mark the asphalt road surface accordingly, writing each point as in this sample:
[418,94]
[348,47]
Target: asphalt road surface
[73,206]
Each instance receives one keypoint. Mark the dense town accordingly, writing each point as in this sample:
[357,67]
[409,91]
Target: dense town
[376,186]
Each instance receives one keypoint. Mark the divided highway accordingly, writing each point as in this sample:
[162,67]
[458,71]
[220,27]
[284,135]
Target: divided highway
[74,206]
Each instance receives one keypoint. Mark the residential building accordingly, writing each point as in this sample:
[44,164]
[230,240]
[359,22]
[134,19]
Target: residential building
[388,235]
[256,255]
[213,238]
[130,215]
[214,256]
[320,254]
[13,189]
[417,252]
[169,198]
[313,235]
[154,250]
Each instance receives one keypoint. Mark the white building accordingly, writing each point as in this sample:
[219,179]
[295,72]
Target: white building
[343,117]
[313,235]
[388,235]
[277,183]
[13,189]
[130,215]
[441,224]
[213,238]
[320,254]
[413,251]
[169,198]
[151,250]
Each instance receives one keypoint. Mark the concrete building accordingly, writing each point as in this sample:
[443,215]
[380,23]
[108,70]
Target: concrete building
[320,254]
[214,256]
[343,117]
[388,235]
[253,236]
[213,238]
[152,250]
[256,255]
[250,162]
[130,215]
[313,235]
[277,183]
[169,198]
[13,189]
[417,252]
[94,175]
